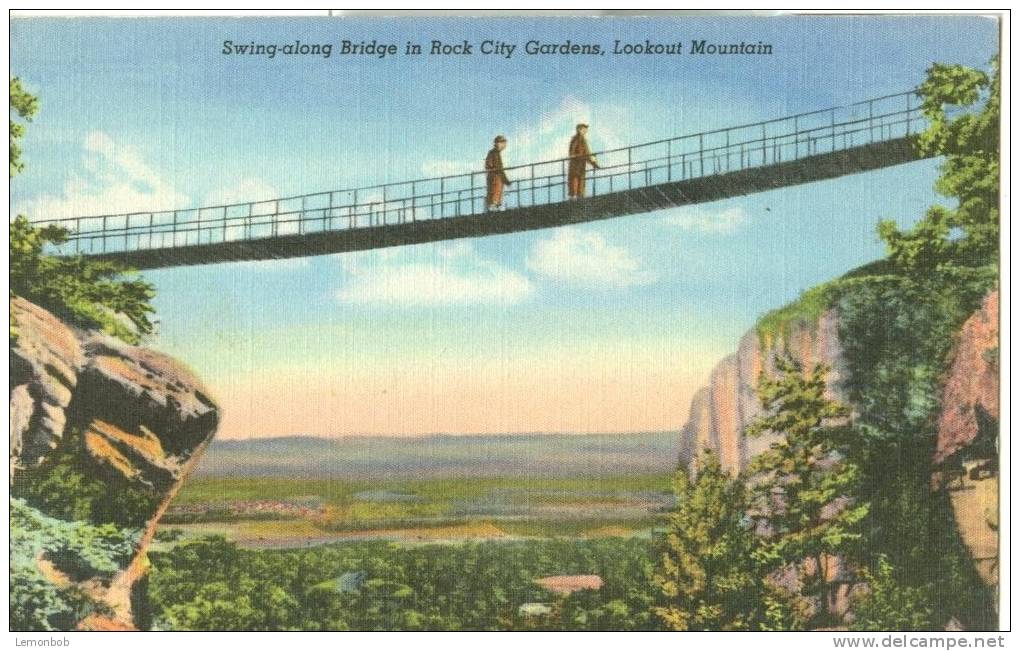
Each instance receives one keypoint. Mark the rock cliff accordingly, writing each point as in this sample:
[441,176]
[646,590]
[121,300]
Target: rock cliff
[720,411]
[965,457]
[968,436]
[102,436]
[971,393]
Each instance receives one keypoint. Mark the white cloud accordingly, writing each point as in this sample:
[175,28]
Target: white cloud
[456,249]
[458,277]
[586,259]
[282,264]
[433,168]
[549,138]
[546,139]
[115,179]
[700,220]
[246,191]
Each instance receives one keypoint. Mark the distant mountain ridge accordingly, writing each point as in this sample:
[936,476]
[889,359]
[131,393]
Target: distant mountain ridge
[443,455]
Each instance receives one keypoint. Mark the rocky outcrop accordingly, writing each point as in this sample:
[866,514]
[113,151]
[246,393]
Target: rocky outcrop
[44,364]
[966,448]
[721,411]
[971,392]
[129,420]
[965,453]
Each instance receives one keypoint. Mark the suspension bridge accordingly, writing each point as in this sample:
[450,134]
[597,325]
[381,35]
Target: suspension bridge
[679,171]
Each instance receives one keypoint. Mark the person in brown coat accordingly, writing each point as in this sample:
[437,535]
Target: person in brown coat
[580,157]
[495,177]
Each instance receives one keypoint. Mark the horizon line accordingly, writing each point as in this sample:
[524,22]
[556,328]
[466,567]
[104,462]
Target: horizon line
[339,437]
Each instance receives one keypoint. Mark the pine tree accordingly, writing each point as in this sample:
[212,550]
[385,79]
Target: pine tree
[705,575]
[802,483]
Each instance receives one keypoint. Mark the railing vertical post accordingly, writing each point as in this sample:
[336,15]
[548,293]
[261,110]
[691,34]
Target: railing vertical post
[150,231]
[630,168]
[796,138]
[104,233]
[669,160]
[763,139]
[301,219]
[727,150]
[871,120]
[247,223]
[328,222]
[224,236]
[909,109]
[832,126]
[442,197]
[563,178]
[532,184]
[276,218]
[701,152]
[173,236]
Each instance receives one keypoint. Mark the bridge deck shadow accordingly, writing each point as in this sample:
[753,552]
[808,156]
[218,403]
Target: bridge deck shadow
[626,202]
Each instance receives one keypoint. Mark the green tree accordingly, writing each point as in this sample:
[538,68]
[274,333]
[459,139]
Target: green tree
[90,293]
[706,575]
[962,107]
[93,294]
[802,483]
[24,105]
[891,606]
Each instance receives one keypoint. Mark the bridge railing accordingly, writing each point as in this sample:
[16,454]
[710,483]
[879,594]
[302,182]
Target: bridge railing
[692,156]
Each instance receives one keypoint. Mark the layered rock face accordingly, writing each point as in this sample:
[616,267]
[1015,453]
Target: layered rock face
[971,392]
[967,432]
[120,417]
[721,411]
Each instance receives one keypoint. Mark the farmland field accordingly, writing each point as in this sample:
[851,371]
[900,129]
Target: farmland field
[262,512]
[306,491]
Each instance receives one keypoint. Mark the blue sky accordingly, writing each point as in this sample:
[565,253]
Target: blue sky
[608,326]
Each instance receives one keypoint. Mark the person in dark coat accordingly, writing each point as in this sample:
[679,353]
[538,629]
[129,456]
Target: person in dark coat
[495,177]
[580,157]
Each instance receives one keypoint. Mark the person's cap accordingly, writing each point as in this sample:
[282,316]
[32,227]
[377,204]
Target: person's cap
[582,125]
[499,139]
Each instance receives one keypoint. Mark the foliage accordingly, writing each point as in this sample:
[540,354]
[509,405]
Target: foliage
[63,488]
[706,575]
[802,484]
[898,335]
[210,584]
[891,606]
[806,310]
[90,293]
[78,549]
[962,107]
[24,105]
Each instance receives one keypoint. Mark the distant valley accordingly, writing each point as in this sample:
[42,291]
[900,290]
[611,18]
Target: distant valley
[443,456]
